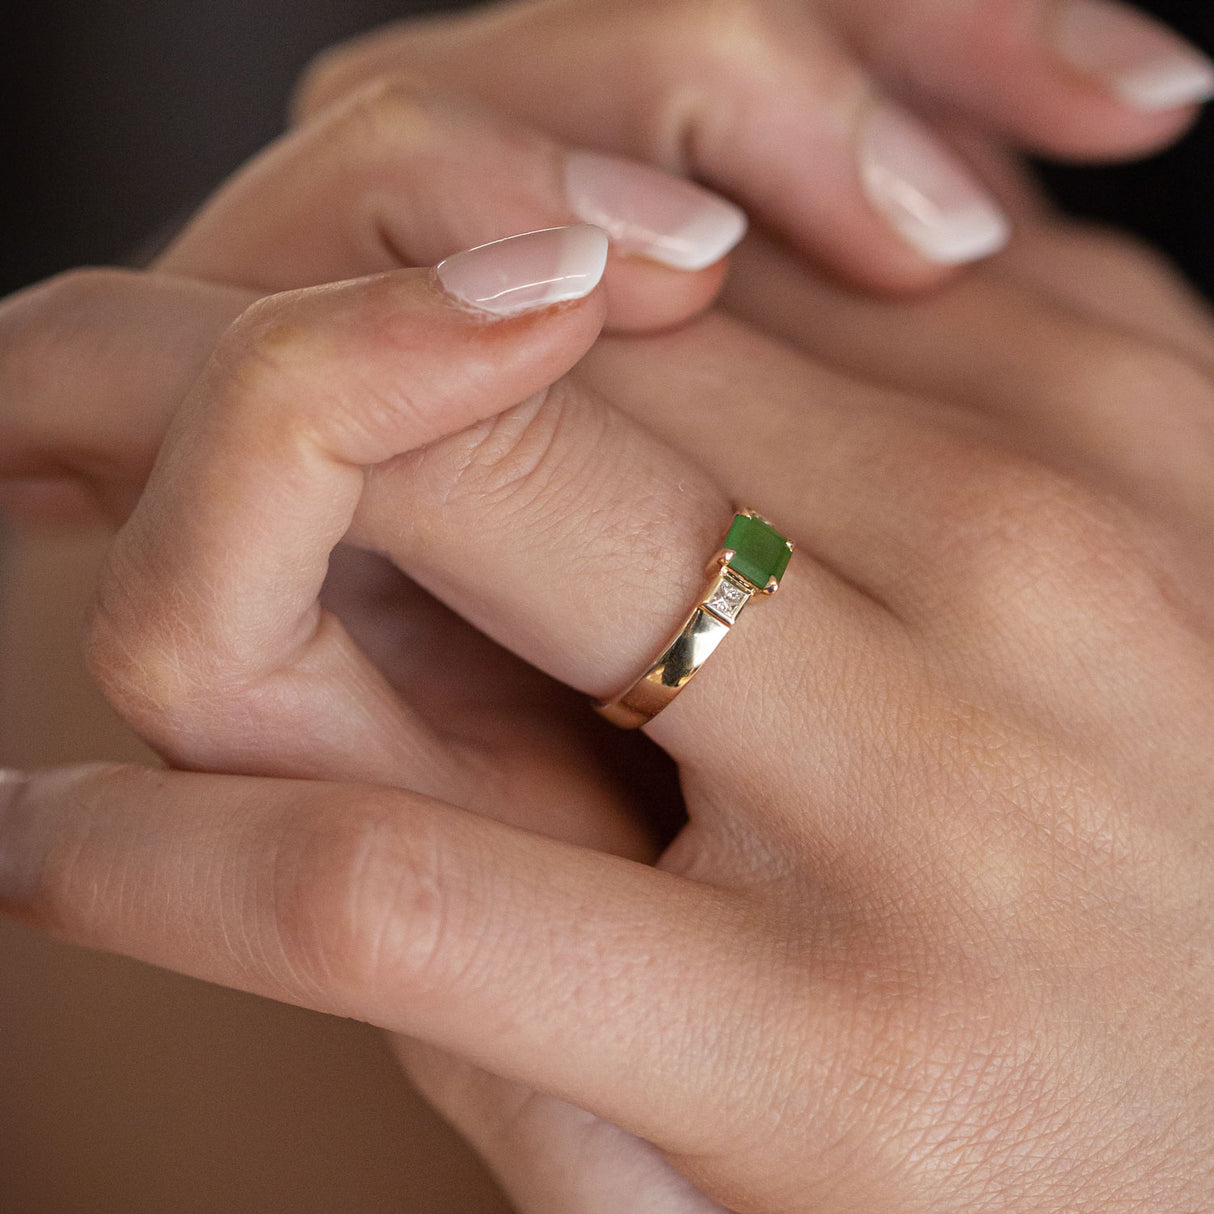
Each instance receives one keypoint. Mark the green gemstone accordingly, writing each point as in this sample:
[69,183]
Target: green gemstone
[761,552]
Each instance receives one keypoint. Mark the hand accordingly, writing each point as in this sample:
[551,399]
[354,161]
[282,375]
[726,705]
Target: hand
[936,934]
[391,176]
[845,125]
[387,178]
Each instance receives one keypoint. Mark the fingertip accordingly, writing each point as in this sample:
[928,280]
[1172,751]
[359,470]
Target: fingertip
[650,213]
[1142,63]
[670,237]
[899,277]
[926,193]
[1082,80]
[643,296]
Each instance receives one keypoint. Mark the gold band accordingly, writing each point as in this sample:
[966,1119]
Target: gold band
[724,597]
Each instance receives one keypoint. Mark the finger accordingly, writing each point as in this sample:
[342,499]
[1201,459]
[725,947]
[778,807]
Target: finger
[394,176]
[209,635]
[134,341]
[757,100]
[521,725]
[1109,276]
[208,632]
[1058,273]
[1075,78]
[564,531]
[1004,171]
[387,907]
[47,502]
[1105,371]
[93,365]
[547,1154]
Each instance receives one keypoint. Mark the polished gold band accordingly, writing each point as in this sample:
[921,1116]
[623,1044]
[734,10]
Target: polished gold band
[728,591]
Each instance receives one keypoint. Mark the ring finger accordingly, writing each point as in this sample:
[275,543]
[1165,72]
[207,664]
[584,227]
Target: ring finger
[559,526]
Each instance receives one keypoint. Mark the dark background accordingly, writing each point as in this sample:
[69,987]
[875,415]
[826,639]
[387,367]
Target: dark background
[121,115]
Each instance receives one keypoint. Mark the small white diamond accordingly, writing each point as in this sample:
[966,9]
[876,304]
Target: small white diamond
[727,600]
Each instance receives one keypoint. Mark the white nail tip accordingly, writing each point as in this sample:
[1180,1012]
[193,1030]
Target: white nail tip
[648,212]
[1154,88]
[927,194]
[1146,65]
[527,272]
[967,236]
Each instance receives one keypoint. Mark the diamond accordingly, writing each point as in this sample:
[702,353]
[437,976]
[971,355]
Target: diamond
[727,600]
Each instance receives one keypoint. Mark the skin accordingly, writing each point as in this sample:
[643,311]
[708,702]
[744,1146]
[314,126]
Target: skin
[539,789]
[868,935]
[766,100]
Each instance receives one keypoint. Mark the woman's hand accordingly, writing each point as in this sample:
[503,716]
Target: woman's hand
[936,935]
[835,122]
[95,364]
[392,176]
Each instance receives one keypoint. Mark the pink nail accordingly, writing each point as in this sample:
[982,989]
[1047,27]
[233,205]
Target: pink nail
[926,192]
[1144,63]
[527,272]
[649,212]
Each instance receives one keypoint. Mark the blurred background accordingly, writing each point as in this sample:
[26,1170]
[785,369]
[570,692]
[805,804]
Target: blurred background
[122,115]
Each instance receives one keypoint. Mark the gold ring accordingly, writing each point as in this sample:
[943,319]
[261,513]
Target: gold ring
[750,565]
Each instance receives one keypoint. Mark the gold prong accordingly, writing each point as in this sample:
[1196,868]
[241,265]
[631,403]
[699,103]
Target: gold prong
[771,587]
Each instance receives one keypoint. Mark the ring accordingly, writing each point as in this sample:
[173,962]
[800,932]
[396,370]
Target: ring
[750,565]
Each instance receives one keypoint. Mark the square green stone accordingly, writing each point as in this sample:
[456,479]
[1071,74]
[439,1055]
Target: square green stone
[761,552]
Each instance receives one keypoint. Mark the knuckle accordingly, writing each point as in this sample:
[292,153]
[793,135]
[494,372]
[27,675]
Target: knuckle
[271,339]
[390,115]
[309,366]
[721,58]
[329,75]
[140,654]
[175,666]
[717,30]
[523,456]
[271,364]
[117,649]
[1022,536]
[361,902]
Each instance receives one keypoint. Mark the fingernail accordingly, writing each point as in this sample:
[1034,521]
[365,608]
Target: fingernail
[928,195]
[1148,66]
[648,212]
[524,273]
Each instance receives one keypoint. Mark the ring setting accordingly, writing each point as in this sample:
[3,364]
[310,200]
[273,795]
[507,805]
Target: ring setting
[750,565]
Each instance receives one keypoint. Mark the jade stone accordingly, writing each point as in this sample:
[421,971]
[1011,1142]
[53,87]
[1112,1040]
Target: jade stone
[762,553]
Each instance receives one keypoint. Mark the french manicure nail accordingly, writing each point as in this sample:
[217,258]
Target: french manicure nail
[651,213]
[1148,66]
[928,195]
[527,272]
